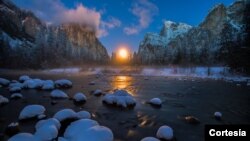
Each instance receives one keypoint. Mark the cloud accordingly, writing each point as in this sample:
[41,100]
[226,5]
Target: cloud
[53,11]
[111,23]
[144,10]
[130,30]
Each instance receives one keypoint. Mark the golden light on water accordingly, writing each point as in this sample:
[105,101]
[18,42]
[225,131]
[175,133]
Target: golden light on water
[123,82]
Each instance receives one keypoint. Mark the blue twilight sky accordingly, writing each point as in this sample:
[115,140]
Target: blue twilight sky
[121,22]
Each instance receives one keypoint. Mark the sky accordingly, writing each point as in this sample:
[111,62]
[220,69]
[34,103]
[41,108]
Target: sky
[121,22]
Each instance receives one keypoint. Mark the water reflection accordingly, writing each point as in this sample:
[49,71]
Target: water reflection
[123,82]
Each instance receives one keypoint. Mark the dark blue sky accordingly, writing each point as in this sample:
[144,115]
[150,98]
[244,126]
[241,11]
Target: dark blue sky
[126,21]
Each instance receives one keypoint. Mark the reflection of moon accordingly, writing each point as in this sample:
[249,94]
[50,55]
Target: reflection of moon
[123,82]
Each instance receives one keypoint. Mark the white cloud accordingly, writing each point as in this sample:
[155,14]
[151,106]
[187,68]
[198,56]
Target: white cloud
[130,30]
[111,23]
[144,10]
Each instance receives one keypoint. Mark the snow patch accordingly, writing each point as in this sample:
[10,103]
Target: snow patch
[155,101]
[150,139]
[63,83]
[78,97]
[16,96]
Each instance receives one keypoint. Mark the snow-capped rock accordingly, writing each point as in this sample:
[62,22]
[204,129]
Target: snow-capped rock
[71,114]
[31,111]
[58,94]
[97,92]
[15,89]
[88,130]
[83,115]
[4,82]
[3,100]
[218,115]
[23,137]
[33,84]
[46,132]
[155,101]
[63,83]
[165,132]
[79,97]
[16,96]
[48,122]
[150,139]
[24,78]
[120,98]
[48,85]
[65,114]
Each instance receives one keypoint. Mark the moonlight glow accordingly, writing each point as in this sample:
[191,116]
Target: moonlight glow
[123,53]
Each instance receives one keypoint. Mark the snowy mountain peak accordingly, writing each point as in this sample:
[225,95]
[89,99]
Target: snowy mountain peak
[171,29]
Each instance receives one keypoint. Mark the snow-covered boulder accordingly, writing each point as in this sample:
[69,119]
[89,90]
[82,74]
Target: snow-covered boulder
[65,114]
[16,84]
[63,83]
[3,100]
[165,132]
[24,78]
[4,82]
[15,89]
[83,115]
[23,137]
[48,85]
[47,130]
[218,115]
[48,122]
[71,114]
[31,111]
[97,92]
[33,84]
[120,98]
[58,94]
[87,130]
[150,139]
[155,101]
[16,96]
[79,97]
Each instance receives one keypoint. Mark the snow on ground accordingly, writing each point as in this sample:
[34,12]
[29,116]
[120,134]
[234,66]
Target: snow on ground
[165,132]
[71,114]
[63,83]
[58,94]
[3,100]
[150,139]
[155,101]
[119,98]
[63,70]
[79,97]
[87,130]
[16,96]
[31,111]
[4,82]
